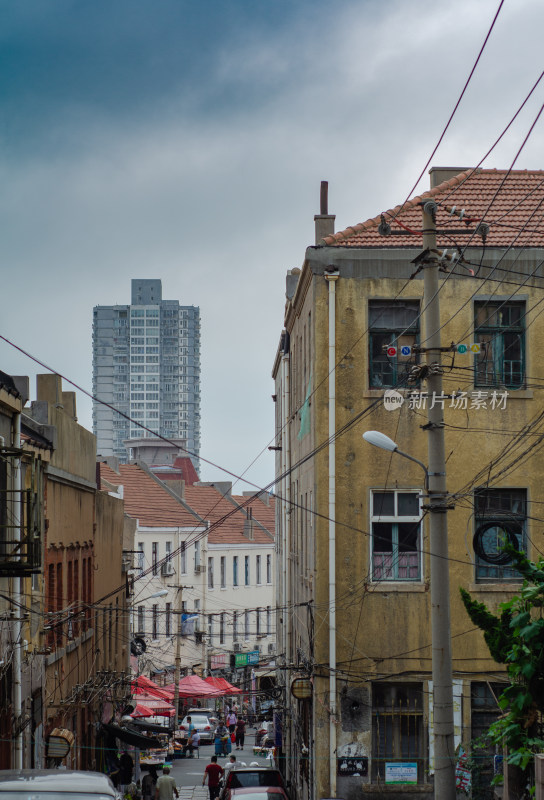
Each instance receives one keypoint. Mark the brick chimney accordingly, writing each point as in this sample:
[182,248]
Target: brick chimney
[324,222]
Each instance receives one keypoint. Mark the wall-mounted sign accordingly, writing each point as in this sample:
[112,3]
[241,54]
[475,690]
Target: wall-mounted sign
[301,688]
[218,661]
[401,773]
[356,766]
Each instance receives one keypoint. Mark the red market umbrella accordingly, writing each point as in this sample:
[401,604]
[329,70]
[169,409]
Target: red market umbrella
[221,685]
[158,708]
[193,686]
[142,711]
[143,685]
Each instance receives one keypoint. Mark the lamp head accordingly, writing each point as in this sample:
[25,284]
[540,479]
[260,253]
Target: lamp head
[380,440]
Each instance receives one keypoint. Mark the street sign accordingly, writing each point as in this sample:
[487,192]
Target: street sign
[405,350]
[391,351]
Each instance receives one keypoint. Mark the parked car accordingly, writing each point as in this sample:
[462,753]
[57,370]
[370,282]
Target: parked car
[252,778]
[55,784]
[259,793]
[204,721]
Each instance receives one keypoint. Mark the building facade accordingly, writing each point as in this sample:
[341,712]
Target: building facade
[146,365]
[353,528]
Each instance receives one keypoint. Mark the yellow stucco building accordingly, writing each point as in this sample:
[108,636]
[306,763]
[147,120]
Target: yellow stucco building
[357,303]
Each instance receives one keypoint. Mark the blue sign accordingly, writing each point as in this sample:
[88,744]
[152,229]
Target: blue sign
[253,657]
[405,350]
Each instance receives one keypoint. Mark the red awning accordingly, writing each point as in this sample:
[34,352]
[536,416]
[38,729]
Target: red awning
[193,686]
[143,685]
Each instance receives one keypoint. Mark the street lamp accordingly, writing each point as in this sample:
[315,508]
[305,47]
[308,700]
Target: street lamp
[385,443]
[440,618]
[160,593]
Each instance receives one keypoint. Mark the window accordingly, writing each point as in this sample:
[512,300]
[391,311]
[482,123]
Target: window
[397,727]
[246,624]
[183,558]
[223,572]
[495,508]
[155,622]
[268,621]
[221,629]
[269,569]
[258,617]
[155,557]
[391,323]
[210,573]
[499,328]
[197,554]
[258,569]
[484,710]
[235,570]
[246,570]
[235,626]
[396,536]
[168,620]
[168,551]
[141,620]
[210,627]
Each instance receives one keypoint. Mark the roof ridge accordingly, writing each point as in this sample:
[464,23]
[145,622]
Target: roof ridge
[373,222]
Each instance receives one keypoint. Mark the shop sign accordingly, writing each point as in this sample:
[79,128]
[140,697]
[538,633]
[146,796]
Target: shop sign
[218,662]
[301,688]
[243,659]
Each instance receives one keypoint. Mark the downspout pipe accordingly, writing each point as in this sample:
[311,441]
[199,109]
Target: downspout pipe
[285,465]
[18,602]
[331,276]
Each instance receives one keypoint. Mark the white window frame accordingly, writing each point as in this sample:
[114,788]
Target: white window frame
[377,570]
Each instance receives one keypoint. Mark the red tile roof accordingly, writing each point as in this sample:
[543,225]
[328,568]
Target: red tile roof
[150,503]
[145,499]
[511,204]
[210,504]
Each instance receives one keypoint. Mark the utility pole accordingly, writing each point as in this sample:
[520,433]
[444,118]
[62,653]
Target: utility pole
[444,748]
[177,661]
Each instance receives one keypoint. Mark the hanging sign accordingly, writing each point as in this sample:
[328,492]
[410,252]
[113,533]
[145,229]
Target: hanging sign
[405,350]
[301,688]
[391,350]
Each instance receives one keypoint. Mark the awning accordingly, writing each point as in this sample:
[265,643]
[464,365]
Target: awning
[131,736]
[149,726]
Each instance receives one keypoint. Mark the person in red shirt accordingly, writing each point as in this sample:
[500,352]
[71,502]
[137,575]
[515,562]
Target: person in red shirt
[214,772]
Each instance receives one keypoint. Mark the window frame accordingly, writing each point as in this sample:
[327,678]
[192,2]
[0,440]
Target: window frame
[485,573]
[391,334]
[395,520]
[498,333]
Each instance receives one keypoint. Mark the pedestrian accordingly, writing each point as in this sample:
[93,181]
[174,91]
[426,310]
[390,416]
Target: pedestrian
[240,733]
[222,740]
[149,782]
[231,721]
[193,743]
[166,786]
[214,772]
[231,764]
[126,767]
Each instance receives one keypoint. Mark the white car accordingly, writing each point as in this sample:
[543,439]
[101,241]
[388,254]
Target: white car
[55,784]
[204,722]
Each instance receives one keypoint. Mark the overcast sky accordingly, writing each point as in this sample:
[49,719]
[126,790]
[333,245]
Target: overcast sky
[186,140]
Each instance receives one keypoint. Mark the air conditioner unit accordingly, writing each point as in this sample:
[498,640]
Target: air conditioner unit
[167,569]
[200,568]
[237,647]
[272,647]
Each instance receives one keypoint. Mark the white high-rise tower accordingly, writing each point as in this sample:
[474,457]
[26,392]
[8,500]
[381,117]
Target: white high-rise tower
[146,364]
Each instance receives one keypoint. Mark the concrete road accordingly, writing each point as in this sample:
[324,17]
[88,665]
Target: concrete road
[189,771]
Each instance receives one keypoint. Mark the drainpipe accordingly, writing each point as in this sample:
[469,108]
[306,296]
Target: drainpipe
[331,277]
[286,495]
[18,601]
